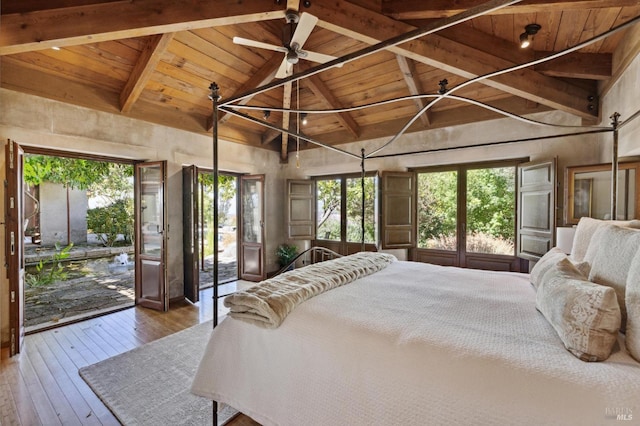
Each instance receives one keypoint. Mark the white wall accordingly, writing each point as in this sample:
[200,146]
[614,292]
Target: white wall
[624,98]
[53,206]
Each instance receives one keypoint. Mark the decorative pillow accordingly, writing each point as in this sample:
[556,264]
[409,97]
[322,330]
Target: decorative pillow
[546,262]
[549,260]
[632,300]
[585,315]
[585,230]
[611,254]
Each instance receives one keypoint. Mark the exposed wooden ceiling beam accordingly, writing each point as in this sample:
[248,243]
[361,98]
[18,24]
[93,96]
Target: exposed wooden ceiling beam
[591,66]
[264,75]
[408,69]
[328,100]
[106,21]
[25,6]
[16,76]
[147,62]
[432,9]
[440,52]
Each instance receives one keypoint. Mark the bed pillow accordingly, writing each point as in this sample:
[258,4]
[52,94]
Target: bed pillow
[632,300]
[549,260]
[546,262]
[585,315]
[610,255]
[587,226]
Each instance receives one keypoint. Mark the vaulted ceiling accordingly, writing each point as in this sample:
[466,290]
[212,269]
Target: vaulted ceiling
[154,60]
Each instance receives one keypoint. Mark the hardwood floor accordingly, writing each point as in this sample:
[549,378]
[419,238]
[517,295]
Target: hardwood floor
[41,385]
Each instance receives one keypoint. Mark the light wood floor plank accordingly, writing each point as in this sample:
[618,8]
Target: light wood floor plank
[53,361]
[96,407]
[41,385]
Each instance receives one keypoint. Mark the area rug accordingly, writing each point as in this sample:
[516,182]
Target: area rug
[150,385]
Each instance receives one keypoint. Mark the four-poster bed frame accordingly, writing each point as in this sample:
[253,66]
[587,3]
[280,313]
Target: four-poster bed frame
[230,107]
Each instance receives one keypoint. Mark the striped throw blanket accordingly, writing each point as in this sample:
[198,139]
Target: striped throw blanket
[269,302]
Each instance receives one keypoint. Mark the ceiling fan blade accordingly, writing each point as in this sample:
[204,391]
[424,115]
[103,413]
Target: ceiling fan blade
[305,25]
[317,57]
[259,44]
[285,69]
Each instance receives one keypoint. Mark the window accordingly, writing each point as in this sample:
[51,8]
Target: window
[438,210]
[339,208]
[466,213]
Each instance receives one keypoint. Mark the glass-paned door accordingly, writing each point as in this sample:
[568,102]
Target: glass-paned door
[467,216]
[14,243]
[491,210]
[252,228]
[354,210]
[328,209]
[151,283]
[438,210]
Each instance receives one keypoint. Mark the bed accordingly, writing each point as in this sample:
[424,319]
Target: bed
[423,344]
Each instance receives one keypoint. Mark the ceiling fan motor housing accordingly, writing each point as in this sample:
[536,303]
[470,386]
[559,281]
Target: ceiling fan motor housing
[292,56]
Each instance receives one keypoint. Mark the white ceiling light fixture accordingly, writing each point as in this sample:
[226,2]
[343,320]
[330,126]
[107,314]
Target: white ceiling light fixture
[295,34]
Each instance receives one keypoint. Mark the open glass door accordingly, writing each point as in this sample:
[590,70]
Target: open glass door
[190,233]
[252,228]
[14,243]
[150,246]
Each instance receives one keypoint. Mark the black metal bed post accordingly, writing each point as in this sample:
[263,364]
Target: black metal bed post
[364,197]
[215,97]
[614,167]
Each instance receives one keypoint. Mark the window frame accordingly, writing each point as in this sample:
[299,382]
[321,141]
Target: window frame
[343,246]
[461,257]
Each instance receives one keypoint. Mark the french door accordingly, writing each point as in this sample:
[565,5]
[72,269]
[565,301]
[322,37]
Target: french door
[252,256]
[14,243]
[190,237]
[467,216]
[150,246]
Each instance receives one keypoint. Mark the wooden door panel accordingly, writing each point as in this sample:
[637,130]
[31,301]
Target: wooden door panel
[252,265]
[302,209]
[151,295]
[14,243]
[536,208]
[398,199]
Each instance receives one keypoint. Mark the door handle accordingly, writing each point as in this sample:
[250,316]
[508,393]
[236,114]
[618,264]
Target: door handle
[13,243]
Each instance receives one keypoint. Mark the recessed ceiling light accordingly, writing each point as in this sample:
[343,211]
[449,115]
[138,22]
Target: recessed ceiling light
[55,48]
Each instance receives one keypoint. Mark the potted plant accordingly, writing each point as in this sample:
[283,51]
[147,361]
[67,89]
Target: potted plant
[286,253]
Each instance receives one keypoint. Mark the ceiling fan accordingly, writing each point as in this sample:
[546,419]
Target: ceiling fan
[295,33]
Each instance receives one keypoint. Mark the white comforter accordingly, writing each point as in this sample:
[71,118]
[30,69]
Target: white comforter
[416,344]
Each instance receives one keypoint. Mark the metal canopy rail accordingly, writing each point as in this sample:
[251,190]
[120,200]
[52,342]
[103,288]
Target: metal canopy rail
[230,107]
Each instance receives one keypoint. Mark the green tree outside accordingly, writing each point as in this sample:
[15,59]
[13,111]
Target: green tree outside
[329,204]
[227,189]
[490,209]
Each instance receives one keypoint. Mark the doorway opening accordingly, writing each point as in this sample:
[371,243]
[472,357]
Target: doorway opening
[227,228]
[78,238]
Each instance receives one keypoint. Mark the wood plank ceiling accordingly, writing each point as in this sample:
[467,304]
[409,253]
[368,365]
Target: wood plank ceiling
[155,59]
